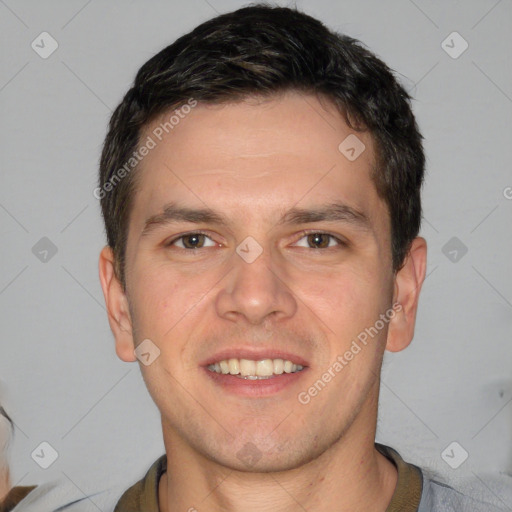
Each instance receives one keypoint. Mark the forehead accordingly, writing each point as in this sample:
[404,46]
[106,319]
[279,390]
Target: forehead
[256,158]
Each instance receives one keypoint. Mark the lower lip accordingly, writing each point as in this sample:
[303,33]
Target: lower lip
[257,387]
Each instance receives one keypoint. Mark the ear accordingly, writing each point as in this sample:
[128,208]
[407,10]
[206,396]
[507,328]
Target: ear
[408,282]
[117,306]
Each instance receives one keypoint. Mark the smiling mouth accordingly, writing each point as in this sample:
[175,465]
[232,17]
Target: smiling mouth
[254,369]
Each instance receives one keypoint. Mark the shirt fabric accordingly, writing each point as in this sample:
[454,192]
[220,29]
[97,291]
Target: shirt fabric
[59,495]
[414,492]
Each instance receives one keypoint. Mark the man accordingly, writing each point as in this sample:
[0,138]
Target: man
[260,187]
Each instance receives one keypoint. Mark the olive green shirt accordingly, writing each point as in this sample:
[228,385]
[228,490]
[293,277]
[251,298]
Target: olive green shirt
[416,491]
[143,496]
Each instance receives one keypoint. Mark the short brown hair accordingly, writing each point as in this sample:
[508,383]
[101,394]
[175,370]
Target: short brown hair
[263,50]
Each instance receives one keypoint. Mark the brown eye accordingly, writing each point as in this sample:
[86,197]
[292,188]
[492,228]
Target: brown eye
[319,240]
[192,241]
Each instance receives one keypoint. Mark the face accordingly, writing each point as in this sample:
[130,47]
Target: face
[291,265]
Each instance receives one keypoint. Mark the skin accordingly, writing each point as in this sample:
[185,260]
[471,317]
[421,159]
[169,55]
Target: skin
[5,482]
[252,161]
[5,436]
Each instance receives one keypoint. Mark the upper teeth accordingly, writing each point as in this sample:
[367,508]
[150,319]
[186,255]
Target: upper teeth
[252,368]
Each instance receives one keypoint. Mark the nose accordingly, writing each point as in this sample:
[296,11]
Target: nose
[254,291]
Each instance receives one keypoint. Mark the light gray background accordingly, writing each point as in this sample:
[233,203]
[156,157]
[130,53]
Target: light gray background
[61,380]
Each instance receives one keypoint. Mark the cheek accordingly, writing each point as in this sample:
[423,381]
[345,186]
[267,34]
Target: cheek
[346,291]
[347,302]
[171,308]
[159,302]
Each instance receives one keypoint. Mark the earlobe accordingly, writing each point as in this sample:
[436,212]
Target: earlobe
[116,302]
[408,282]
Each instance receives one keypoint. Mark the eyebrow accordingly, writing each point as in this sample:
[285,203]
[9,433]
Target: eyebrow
[333,212]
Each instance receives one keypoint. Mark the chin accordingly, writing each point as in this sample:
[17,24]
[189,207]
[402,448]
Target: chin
[265,456]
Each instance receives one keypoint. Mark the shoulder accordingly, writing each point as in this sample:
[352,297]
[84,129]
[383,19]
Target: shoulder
[438,496]
[143,495]
[62,495]
[434,495]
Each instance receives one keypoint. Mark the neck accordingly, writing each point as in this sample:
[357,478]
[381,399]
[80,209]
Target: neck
[350,476]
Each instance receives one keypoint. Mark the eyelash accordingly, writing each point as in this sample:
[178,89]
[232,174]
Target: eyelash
[302,234]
